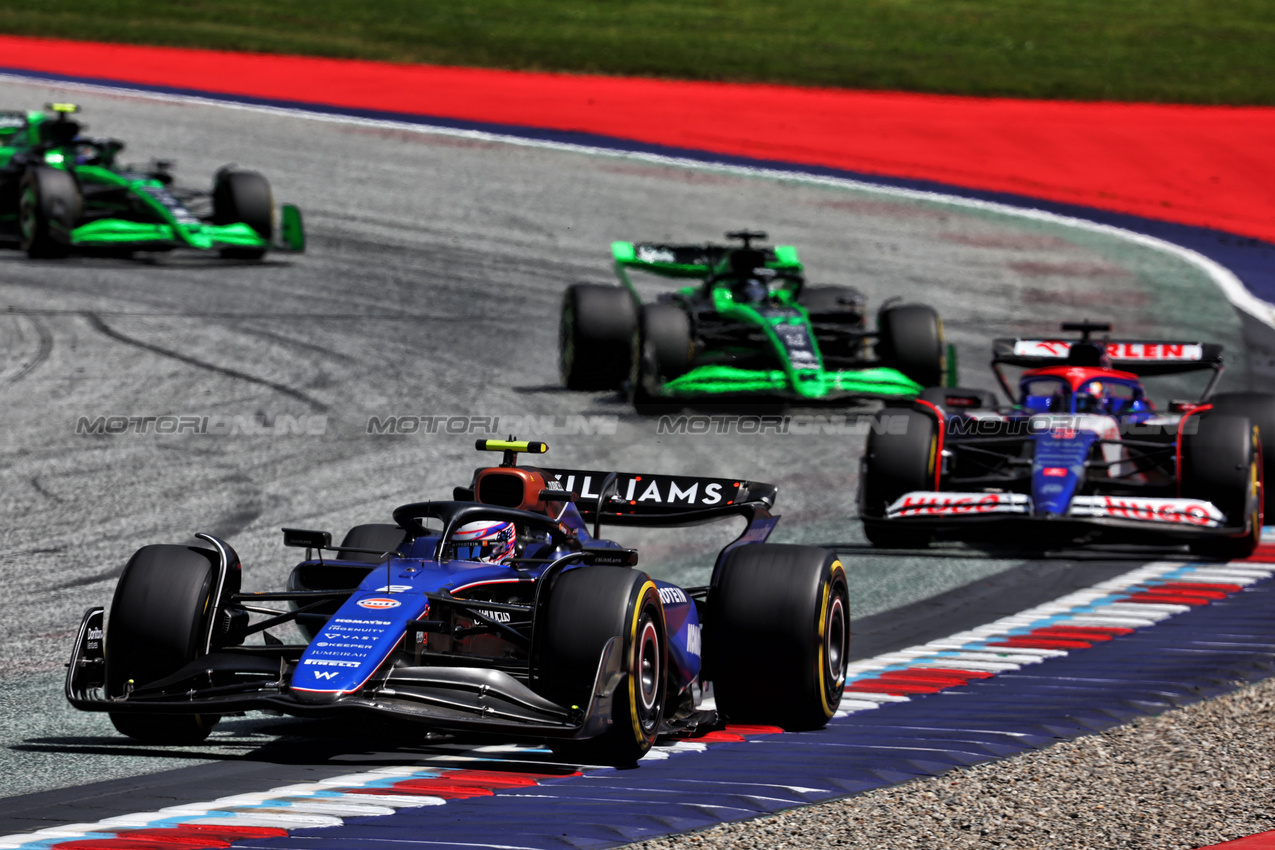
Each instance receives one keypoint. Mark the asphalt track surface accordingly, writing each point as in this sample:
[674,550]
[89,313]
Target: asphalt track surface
[431,288]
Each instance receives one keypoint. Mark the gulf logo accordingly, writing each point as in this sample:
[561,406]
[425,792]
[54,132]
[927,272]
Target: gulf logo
[379,603]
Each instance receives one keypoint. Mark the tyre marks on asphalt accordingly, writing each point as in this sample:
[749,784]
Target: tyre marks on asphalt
[31,343]
[100,325]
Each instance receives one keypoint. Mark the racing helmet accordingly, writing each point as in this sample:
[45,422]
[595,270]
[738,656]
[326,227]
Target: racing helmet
[1091,397]
[487,541]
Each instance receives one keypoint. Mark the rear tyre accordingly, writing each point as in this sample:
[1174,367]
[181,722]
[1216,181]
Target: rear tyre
[594,336]
[1222,464]
[777,636]
[900,457]
[244,196]
[157,624]
[49,205]
[587,607]
[662,350]
[910,339]
[1260,409]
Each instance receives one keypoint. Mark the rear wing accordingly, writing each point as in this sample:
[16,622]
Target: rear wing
[1139,356]
[631,497]
[693,260]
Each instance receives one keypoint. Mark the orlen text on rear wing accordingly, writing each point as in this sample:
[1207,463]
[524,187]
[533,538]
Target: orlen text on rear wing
[1140,356]
[697,261]
[1143,357]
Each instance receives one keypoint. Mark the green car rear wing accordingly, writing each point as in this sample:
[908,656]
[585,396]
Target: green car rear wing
[692,261]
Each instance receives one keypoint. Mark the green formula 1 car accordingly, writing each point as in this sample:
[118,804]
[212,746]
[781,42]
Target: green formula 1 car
[748,327]
[61,191]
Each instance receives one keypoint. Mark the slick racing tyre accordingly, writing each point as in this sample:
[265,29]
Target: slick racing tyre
[1222,464]
[588,606]
[244,196]
[1260,409]
[900,457]
[49,205]
[662,350]
[594,336]
[910,339]
[157,624]
[777,635]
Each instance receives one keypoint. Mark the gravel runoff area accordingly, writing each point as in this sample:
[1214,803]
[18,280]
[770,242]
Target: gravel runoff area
[1190,777]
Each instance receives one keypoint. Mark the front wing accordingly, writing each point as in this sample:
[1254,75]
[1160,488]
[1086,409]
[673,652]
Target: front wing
[1175,517]
[462,699]
[809,385]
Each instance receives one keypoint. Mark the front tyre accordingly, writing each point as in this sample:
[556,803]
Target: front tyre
[594,330]
[49,205]
[1260,409]
[587,607]
[662,350]
[158,621]
[1222,464]
[244,197]
[777,636]
[900,457]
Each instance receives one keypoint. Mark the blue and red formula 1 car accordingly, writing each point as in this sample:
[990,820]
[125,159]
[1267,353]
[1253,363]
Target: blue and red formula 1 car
[500,612]
[1083,455]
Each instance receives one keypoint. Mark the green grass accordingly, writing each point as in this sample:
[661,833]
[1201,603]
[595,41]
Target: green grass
[1189,51]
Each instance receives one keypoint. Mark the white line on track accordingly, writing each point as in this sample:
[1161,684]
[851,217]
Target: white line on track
[1224,278]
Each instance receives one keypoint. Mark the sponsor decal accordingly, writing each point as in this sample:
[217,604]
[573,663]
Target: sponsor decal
[672,595]
[693,639]
[324,674]
[1054,471]
[378,603]
[654,254]
[394,588]
[795,338]
[324,662]
[175,208]
[498,616]
[333,645]
[922,503]
[1172,511]
[94,633]
[1137,351]
[362,623]
[652,489]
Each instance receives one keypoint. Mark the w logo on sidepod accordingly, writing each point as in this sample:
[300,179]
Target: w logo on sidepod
[378,603]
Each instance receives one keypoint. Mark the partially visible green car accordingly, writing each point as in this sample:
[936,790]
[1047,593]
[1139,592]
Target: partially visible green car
[748,327]
[61,191]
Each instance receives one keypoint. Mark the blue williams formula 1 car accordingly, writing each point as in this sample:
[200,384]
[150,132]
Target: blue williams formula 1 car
[1083,454]
[500,612]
